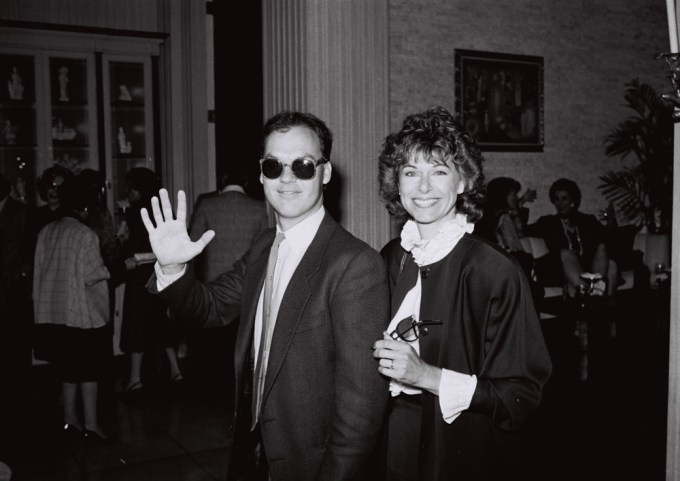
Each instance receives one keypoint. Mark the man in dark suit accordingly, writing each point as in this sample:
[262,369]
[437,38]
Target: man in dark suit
[236,219]
[309,402]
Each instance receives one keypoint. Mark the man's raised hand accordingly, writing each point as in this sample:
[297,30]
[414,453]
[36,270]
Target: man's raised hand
[169,238]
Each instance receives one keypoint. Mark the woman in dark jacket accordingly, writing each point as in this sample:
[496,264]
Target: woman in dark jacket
[464,350]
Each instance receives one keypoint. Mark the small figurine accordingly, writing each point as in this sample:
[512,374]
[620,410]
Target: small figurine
[15,86]
[124,145]
[124,93]
[63,84]
[62,132]
[9,133]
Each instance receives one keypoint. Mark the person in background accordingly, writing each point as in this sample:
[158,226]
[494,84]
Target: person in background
[503,223]
[576,244]
[464,352]
[70,292]
[17,241]
[48,182]
[145,325]
[237,220]
[309,401]
[504,213]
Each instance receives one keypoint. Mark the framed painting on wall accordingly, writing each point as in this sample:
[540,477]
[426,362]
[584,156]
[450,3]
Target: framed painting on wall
[499,99]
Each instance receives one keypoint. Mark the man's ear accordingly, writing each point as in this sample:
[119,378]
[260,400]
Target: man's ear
[327,171]
[261,179]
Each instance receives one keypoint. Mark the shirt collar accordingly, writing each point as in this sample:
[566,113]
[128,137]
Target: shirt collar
[233,188]
[301,234]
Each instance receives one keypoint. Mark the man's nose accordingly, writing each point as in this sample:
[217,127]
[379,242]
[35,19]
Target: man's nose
[287,174]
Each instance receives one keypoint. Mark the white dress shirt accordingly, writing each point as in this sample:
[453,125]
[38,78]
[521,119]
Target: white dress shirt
[298,238]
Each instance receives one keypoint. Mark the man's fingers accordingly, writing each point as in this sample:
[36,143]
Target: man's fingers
[166,205]
[147,221]
[155,208]
[206,238]
[181,207]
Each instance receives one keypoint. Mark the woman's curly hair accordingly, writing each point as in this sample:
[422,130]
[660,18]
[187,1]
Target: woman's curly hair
[440,138]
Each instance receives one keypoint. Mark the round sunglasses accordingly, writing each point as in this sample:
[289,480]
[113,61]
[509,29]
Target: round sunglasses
[303,169]
[409,330]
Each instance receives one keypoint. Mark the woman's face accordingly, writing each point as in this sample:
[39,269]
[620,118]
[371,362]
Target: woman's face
[428,191]
[133,195]
[52,197]
[564,203]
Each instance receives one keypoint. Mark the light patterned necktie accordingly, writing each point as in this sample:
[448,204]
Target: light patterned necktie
[267,329]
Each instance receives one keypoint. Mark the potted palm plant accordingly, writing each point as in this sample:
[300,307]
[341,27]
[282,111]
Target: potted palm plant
[641,191]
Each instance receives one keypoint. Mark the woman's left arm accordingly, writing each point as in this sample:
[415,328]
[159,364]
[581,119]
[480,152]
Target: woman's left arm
[515,363]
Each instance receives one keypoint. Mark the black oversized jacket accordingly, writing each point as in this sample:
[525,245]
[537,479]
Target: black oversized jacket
[490,329]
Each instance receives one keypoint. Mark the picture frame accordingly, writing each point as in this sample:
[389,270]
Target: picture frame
[499,99]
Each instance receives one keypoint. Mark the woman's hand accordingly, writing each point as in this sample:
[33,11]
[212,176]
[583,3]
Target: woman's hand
[399,361]
[169,238]
[528,196]
[130,263]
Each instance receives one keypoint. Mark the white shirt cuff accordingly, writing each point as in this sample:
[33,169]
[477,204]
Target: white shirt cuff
[455,393]
[164,280]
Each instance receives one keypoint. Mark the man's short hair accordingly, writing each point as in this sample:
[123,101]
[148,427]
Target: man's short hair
[285,120]
[233,178]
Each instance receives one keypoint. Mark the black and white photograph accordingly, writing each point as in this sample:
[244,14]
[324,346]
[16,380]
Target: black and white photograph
[339,240]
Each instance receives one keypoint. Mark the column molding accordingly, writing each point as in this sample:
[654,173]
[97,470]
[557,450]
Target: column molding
[330,58]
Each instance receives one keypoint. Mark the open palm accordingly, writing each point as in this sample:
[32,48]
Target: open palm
[169,238]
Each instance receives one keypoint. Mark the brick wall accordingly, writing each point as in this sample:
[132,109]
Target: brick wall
[591,49]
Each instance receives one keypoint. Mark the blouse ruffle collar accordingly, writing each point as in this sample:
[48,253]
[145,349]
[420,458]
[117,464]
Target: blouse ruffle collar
[427,252]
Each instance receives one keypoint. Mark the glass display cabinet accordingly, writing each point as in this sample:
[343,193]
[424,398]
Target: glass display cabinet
[18,143]
[81,100]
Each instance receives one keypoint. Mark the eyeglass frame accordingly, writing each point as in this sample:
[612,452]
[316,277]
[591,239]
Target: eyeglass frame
[316,162]
[415,326]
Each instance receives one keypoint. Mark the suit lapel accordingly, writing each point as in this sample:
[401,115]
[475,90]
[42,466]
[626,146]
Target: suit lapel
[295,299]
[406,280]
[252,287]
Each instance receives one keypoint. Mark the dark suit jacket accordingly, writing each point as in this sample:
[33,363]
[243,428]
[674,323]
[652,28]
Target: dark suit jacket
[324,400]
[236,219]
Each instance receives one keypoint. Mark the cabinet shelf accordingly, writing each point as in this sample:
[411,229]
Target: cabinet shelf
[118,105]
[70,147]
[17,104]
[69,106]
